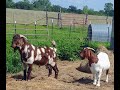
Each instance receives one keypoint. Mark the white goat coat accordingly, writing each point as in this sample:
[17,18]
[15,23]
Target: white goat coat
[103,63]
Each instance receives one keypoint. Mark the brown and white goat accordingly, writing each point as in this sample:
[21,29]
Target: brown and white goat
[35,55]
[97,63]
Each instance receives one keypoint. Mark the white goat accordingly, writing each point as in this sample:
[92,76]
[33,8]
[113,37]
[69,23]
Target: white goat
[97,63]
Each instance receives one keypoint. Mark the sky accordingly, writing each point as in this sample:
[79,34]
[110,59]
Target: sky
[93,4]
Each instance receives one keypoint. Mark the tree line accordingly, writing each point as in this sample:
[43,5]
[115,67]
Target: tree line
[44,5]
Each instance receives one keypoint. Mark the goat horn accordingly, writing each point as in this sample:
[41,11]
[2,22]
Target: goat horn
[23,37]
[90,48]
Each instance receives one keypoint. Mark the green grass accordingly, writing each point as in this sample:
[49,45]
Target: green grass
[68,42]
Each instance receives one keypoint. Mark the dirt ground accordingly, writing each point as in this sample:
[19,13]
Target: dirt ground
[69,78]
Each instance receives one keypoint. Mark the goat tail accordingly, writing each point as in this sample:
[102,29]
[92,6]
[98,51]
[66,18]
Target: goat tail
[53,43]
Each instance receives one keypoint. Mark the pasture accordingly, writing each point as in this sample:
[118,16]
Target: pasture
[68,40]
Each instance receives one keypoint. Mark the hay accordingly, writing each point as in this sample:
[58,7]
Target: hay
[84,67]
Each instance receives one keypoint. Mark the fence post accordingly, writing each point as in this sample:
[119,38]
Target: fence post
[60,19]
[59,23]
[86,19]
[107,19]
[35,29]
[15,27]
[46,17]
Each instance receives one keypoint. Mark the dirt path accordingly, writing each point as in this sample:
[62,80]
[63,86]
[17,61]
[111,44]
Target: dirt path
[69,79]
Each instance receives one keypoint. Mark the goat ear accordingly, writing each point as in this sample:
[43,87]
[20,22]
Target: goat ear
[87,53]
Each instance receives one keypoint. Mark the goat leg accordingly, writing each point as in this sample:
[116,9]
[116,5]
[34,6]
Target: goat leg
[56,71]
[50,70]
[29,72]
[107,71]
[24,72]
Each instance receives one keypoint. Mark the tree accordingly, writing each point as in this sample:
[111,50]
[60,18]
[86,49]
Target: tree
[24,5]
[41,4]
[91,11]
[79,11]
[9,4]
[56,8]
[64,9]
[111,13]
[101,12]
[85,9]
[72,9]
[108,7]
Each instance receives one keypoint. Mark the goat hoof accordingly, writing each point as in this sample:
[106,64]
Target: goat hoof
[56,77]
[48,75]
[107,81]
[94,83]
[98,85]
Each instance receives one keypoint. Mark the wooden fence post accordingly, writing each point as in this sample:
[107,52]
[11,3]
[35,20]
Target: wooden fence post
[59,23]
[86,19]
[107,19]
[60,19]
[46,17]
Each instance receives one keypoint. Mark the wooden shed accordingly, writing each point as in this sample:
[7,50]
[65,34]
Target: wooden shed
[99,32]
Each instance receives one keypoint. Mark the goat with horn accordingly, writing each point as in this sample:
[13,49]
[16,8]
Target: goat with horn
[35,55]
[97,62]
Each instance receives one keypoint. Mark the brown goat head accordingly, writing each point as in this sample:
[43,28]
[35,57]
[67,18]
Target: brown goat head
[84,53]
[17,41]
[89,54]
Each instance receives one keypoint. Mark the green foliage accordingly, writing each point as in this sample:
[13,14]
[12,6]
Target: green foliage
[85,9]
[41,4]
[23,5]
[9,4]
[95,44]
[108,8]
[13,63]
[72,9]
[56,8]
